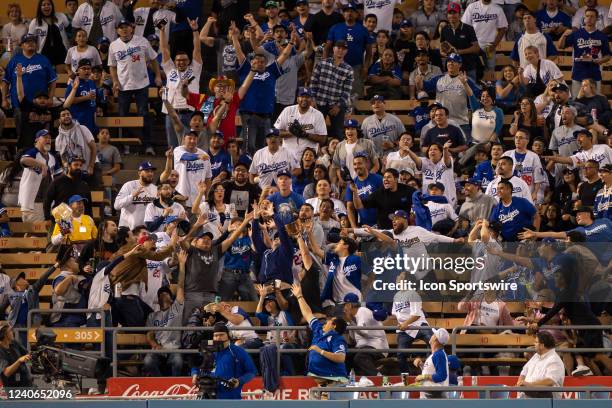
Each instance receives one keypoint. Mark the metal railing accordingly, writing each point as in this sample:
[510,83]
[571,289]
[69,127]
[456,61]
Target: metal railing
[277,329]
[487,389]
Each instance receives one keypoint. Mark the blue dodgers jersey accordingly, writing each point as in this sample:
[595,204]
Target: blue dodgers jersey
[357,38]
[331,342]
[367,216]
[518,215]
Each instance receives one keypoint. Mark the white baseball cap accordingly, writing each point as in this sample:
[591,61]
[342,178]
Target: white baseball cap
[442,335]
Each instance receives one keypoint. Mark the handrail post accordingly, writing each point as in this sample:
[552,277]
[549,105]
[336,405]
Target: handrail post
[103,327]
[278,351]
[115,362]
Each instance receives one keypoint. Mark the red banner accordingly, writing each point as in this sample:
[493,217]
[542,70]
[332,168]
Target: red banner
[296,388]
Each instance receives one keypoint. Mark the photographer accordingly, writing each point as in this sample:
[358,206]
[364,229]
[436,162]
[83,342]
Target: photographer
[232,365]
[14,371]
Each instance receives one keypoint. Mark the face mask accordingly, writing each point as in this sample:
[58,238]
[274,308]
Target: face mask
[76,173]
[104,48]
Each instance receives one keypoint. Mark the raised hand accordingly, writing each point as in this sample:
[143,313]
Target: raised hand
[182,257]
[193,24]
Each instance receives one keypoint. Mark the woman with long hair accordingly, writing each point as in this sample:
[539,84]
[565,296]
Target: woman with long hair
[435,38]
[50,28]
[319,172]
[385,76]
[81,50]
[219,213]
[487,119]
[526,117]
[15,28]
[553,220]
[566,194]
[383,41]
[508,89]
[303,175]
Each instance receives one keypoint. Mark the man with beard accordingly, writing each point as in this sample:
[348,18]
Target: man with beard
[202,266]
[311,130]
[157,211]
[64,187]
[562,98]
[74,139]
[83,228]
[382,128]
[527,165]
[411,239]
[386,200]
[514,213]
[563,141]
[135,195]
[40,167]
[366,183]
[193,166]
[485,171]
[270,161]
[38,76]
[239,191]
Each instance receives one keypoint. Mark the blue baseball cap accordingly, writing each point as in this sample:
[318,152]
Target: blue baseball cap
[218,133]
[152,37]
[123,22]
[399,213]
[405,23]
[455,58]
[273,132]
[351,123]
[29,37]
[75,198]
[146,165]
[206,234]
[169,219]
[349,6]
[362,153]
[302,91]
[437,185]
[378,98]
[283,172]
[41,133]
[472,181]
[380,315]
[103,40]
[351,298]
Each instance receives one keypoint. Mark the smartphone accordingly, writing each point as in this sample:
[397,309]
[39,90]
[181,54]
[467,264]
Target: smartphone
[217,299]
[277,283]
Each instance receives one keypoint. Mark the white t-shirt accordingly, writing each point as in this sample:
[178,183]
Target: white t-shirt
[312,122]
[483,125]
[131,59]
[399,163]
[174,76]
[133,208]
[73,56]
[441,212]
[548,365]
[214,225]
[383,9]
[408,303]
[241,334]
[548,71]
[529,169]
[519,188]
[486,20]
[141,15]
[190,173]
[369,338]
[488,314]
[438,172]
[339,206]
[267,164]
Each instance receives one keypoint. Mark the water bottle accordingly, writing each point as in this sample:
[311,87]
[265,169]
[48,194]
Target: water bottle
[352,378]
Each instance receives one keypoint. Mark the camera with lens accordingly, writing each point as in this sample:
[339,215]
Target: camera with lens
[207,383]
[296,130]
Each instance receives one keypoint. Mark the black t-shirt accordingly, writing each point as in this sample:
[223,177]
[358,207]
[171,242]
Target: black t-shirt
[443,135]
[461,39]
[409,65]
[387,202]
[33,119]
[201,270]
[8,356]
[241,196]
[319,24]
[587,192]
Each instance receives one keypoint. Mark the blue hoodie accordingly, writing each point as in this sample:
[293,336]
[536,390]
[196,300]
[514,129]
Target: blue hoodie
[275,263]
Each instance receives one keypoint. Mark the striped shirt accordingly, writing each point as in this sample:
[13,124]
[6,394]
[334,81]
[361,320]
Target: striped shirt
[331,84]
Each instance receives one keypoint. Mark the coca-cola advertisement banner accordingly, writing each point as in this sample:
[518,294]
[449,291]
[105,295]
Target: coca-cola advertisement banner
[296,388]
